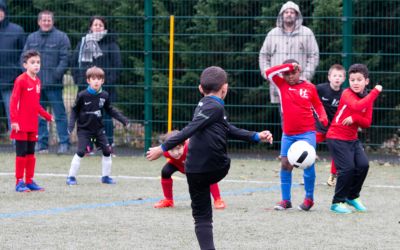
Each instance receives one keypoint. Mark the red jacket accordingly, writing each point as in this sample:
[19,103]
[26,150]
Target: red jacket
[360,110]
[25,103]
[178,163]
[297,102]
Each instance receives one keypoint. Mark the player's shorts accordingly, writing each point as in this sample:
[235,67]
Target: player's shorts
[320,137]
[288,140]
[179,168]
[24,136]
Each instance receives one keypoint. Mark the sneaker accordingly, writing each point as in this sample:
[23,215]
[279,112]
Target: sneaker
[71,180]
[219,204]
[340,208]
[63,149]
[283,205]
[357,204]
[43,151]
[331,180]
[107,180]
[164,203]
[34,187]
[306,205]
[21,187]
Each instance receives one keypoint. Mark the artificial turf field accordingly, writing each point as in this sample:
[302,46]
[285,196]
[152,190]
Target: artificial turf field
[92,215]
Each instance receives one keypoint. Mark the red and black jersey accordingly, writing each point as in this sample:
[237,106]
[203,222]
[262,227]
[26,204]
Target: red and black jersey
[298,102]
[25,103]
[359,108]
[178,163]
[330,100]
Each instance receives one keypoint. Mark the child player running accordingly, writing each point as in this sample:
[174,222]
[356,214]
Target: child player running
[354,111]
[207,160]
[176,158]
[329,94]
[24,111]
[298,100]
[87,112]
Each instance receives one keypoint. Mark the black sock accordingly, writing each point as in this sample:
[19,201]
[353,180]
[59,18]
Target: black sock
[204,234]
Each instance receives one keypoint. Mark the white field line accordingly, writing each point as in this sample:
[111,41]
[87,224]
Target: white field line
[182,178]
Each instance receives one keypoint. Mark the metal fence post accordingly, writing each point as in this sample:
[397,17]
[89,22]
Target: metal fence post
[148,97]
[347,36]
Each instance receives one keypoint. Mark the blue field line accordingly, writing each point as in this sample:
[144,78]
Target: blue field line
[59,210]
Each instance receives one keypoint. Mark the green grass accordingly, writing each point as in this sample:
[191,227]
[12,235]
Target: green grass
[92,215]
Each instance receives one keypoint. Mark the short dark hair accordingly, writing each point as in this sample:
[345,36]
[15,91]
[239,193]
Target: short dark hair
[102,19]
[45,12]
[94,72]
[337,67]
[359,68]
[290,61]
[28,54]
[212,79]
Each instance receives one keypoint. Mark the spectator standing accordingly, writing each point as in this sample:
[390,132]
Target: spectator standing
[54,46]
[12,40]
[289,40]
[98,48]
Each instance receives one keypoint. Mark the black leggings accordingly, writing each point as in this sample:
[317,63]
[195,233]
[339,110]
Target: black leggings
[24,148]
[168,170]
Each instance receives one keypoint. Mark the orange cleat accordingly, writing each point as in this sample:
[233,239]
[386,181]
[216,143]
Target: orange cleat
[219,204]
[164,203]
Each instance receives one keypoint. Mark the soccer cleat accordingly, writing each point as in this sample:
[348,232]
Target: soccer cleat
[306,205]
[34,187]
[71,180]
[21,187]
[331,180]
[107,180]
[340,208]
[283,205]
[219,204]
[164,203]
[357,204]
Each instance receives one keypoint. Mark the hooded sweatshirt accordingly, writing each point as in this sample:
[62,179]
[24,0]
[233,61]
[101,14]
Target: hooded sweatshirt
[12,40]
[300,45]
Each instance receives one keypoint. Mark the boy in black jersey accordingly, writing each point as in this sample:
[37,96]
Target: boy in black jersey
[207,161]
[329,94]
[87,112]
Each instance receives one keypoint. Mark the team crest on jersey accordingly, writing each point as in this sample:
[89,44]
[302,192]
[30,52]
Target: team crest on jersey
[101,102]
[335,103]
[304,93]
[38,88]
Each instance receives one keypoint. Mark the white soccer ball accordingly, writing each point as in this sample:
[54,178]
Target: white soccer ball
[301,155]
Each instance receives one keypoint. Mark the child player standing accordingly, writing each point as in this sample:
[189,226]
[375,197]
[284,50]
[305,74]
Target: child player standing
[329,94]
[207,160]
[298,100]
[176,158]
[87,112]
[24,111]
[354,111]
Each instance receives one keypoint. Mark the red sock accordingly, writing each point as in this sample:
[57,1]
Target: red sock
[30,168]
[214,189]
[19,168]
[333,168]
[167,188]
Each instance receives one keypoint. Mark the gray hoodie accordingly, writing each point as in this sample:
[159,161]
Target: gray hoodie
[300,45]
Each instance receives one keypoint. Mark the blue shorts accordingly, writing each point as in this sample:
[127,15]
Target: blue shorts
[288,140]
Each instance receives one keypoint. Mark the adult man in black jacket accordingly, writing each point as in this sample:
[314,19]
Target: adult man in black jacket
[207,161]
[12,40]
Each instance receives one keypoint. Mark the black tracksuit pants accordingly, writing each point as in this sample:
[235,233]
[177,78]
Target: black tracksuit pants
[352,165]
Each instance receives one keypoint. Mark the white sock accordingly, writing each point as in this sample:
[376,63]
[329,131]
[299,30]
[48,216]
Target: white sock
[75,164]
[106,165]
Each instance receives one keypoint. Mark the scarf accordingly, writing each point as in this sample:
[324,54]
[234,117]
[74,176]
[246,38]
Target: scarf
[90,47]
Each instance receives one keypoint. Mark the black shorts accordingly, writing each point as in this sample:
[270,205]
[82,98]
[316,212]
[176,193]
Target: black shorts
[85,138]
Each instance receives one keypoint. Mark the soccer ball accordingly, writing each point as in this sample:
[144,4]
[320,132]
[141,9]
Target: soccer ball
[301,155]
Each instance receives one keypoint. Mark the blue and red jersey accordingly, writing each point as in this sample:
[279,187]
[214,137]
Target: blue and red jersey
[298,102]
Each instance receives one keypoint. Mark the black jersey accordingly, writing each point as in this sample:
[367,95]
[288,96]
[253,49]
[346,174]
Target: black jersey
[208,133]
[88,111]
[330,99]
